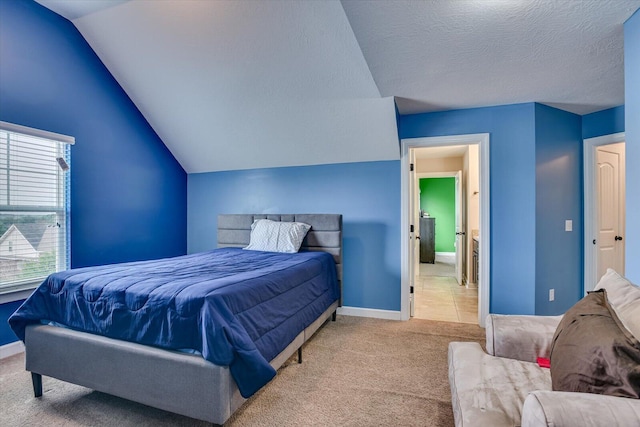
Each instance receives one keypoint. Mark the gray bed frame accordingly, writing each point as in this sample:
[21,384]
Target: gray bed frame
[177,382]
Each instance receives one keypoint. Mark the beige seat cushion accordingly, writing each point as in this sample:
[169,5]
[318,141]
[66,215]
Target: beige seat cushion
[488,390]
[560,408]
[520,337]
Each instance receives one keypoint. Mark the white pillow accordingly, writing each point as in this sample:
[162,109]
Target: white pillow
[276,236]
[624,298]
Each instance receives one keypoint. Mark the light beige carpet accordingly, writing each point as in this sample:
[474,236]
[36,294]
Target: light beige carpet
[356,372]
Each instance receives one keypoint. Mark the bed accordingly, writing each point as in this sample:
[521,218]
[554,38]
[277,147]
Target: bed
[148,372]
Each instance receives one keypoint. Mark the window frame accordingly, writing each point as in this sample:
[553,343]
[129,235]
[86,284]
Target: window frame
[19,289]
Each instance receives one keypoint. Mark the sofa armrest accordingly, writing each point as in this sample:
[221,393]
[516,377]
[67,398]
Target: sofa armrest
[520,337]
[565,409]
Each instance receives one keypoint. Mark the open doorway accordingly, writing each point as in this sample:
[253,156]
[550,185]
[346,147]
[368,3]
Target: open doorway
[604,213]
[447,185]
[468,277]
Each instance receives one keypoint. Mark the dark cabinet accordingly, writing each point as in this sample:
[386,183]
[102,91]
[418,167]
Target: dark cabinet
[428,240]
[475,272]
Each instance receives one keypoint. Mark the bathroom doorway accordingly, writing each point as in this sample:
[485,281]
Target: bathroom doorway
[444,289]
[452,290]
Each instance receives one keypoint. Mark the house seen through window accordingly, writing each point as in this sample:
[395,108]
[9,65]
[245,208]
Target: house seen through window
[34,205]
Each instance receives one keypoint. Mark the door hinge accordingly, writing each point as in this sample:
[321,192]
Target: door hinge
[411,290]
[411,228]
[411,167]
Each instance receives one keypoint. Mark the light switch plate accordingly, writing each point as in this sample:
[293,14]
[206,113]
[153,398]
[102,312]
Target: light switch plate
[568,225]
[552,294]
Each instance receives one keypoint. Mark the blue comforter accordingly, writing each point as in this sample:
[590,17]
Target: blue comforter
[238,308]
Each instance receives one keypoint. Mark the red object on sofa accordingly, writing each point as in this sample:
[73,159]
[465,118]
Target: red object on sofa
[543,363]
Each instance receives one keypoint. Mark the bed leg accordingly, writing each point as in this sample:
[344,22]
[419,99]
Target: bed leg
[300,355]
[36,379]
[333,317]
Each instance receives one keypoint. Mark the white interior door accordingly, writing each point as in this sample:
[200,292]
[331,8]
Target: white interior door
[414,242]
[610,201]
[460,233]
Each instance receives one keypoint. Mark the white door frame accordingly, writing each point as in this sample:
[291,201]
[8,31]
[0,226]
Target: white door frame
[459,238]
[589,217]
[414,252]
[482,139]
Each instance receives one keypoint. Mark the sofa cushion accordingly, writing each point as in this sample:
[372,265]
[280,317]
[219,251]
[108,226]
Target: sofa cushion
[624,298]
[520,337]
[560,408]
[593,352]
[488,390]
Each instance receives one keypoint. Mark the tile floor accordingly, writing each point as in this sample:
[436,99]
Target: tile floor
[439,297]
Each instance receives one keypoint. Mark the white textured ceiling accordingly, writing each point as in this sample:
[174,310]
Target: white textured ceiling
[248,84]
[449,54]
[72,9]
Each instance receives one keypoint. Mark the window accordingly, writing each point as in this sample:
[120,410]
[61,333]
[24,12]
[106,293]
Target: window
[34,205]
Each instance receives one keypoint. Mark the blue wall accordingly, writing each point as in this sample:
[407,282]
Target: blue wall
[632,135]
[366,194]
[512,164]
[559,191]
[605,122]
[536,183]
[128,193]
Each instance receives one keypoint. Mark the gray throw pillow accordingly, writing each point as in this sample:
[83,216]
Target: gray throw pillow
[592,352]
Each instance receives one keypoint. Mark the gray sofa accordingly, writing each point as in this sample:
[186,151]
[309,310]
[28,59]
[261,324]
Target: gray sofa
[504,386]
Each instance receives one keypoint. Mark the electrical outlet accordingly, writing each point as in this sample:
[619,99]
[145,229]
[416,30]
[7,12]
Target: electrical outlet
[568,225]
[552,294]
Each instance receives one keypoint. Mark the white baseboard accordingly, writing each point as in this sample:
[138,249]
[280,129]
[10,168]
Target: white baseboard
[369,312]
[446,257]
[10,349]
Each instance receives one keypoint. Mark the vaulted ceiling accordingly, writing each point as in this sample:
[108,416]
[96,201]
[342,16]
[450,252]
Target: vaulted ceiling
[246,84]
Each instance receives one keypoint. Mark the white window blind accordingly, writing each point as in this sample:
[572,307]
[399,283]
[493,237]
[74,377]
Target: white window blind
[34,205]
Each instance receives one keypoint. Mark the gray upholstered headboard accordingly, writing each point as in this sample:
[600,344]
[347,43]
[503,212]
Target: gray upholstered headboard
[325,234]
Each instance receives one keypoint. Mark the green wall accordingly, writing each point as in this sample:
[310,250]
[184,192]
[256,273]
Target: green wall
[437,196]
